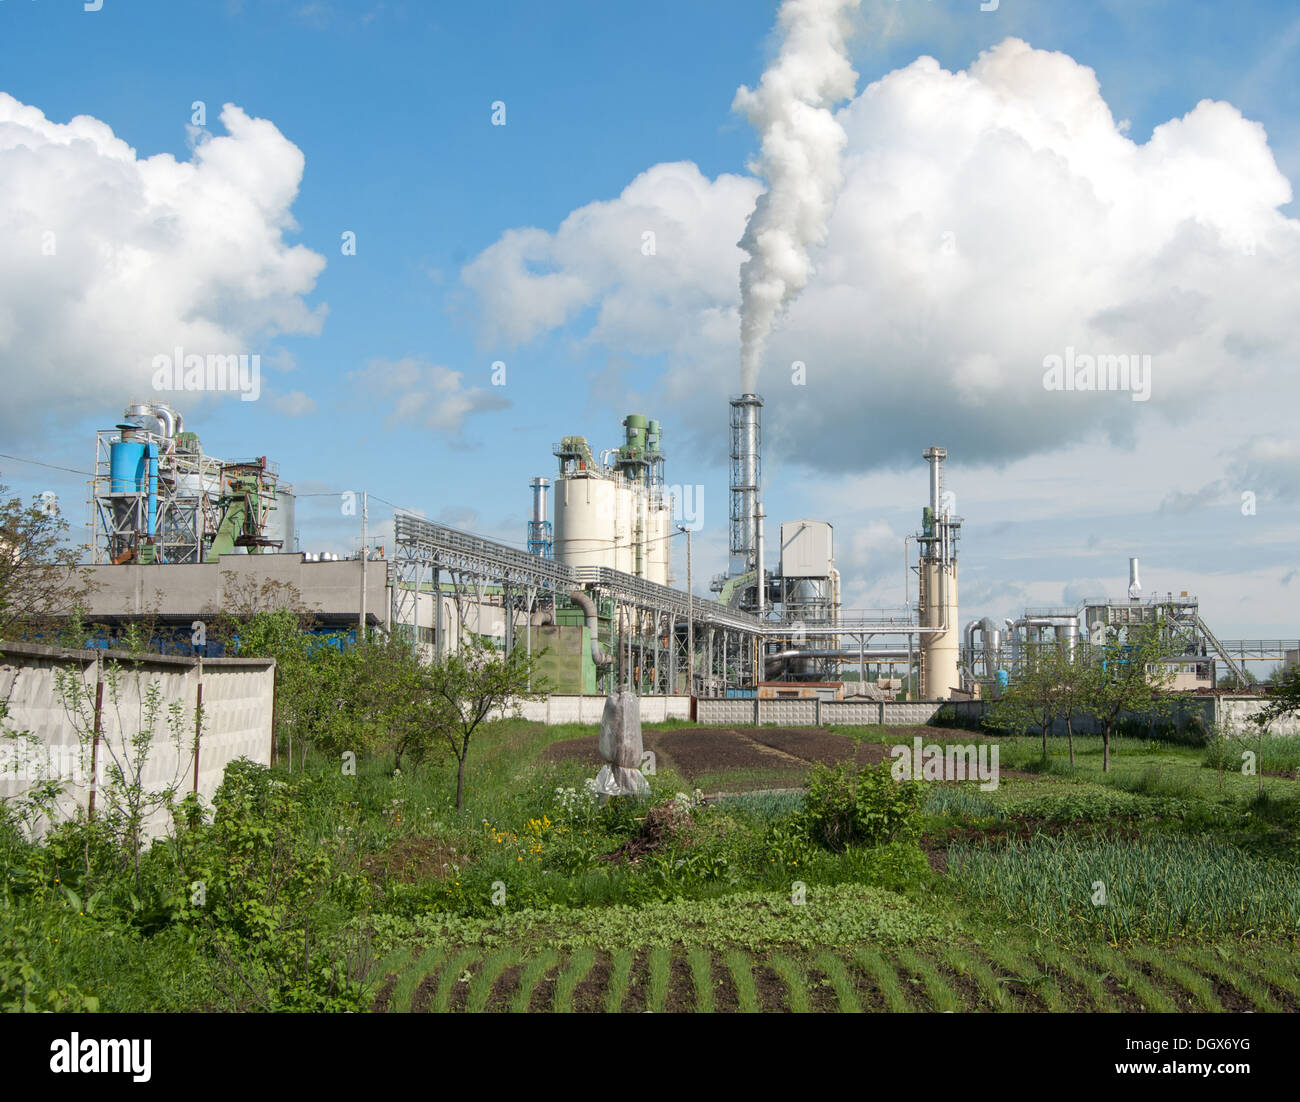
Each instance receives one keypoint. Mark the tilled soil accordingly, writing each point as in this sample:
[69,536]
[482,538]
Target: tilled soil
[771,753]
[591,993]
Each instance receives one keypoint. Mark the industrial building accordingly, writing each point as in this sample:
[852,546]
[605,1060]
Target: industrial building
[175,531]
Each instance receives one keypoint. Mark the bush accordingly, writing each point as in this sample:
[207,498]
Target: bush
[846,806]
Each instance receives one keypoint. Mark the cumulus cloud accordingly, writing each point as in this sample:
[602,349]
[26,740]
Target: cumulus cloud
[112,258]
[426,394]
[989,219]
[294,404]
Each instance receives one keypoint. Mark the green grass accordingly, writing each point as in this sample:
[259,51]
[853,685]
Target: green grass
[886,980]
[742,974]
[840,979]
[580,964]
[795,979]
[620,974]
[922,970]
[660,967]
[534,969]
[1162,886]
[701,964]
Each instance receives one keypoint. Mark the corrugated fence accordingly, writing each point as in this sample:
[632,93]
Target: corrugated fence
[81,709]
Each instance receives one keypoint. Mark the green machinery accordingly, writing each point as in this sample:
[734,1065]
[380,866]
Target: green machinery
[247,497]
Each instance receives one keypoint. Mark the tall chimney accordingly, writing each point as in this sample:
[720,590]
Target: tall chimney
[746,478]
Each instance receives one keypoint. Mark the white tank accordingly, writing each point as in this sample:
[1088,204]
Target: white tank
[585,521]
[623,529]
[659,545]
[939,594]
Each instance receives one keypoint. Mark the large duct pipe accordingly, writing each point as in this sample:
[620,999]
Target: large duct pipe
[599,655]
[1134,586]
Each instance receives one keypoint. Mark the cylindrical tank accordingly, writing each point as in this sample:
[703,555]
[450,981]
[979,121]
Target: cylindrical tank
[939,609]
[660,550]
[584,521]
[280,520]
[622,530]
[126,467]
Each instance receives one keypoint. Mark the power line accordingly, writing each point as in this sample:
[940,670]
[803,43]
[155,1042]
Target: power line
[51,466]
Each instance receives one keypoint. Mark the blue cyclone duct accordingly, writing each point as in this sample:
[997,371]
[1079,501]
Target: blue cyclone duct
[125,467]
[153,489]
[1003,680]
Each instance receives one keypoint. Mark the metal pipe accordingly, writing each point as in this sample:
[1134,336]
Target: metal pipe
[599,655]
[762,574]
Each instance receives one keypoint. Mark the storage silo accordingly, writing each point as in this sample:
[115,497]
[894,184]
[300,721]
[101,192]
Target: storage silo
[584,521]
[658,544]
[280,520]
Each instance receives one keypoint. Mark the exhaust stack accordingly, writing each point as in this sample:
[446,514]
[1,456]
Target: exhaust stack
[1134,586]
[746,478]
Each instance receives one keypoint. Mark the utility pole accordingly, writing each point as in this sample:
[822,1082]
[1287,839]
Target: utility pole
[361,626]
[690,618]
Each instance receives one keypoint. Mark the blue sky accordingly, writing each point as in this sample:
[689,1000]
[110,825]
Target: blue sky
[390,106]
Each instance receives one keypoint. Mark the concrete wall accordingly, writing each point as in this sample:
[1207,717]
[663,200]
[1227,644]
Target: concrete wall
[1230,710]
[716,712]
[571,708]
[237,696]
[199,589]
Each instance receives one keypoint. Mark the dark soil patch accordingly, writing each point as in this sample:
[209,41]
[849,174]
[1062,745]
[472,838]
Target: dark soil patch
[818,746]
[726,999]
[868,989]
[681,987]
[638,984]
[1232,999]
[412,860]
[715,750]
[822,998]
[589,995]
[773,995]
[425,993]
[458,998]
[585,751]
[969,993]
[384,994]
[543,996]
[504,988]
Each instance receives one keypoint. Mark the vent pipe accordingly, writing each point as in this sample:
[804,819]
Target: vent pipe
[1134,586]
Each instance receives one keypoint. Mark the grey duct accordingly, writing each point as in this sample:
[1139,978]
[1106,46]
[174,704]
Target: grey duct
[599,655]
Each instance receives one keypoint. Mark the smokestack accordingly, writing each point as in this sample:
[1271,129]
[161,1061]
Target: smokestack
[539,486]
[746,477]
[1134,586]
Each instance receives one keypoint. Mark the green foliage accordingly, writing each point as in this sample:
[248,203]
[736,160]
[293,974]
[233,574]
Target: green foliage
[1163,886]
[847,806]
[259,885]
[961,802]
[835,915]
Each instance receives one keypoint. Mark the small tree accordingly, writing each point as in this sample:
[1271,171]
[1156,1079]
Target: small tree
[1283,698]
[1125,674]
[472,684]
[1072,680]
[1033,697]
[41,585]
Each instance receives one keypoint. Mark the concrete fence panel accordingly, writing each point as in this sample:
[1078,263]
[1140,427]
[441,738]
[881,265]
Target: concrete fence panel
[51,694]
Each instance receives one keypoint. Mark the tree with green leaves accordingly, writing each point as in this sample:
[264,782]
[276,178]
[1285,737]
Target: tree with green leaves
[1125,673]
[42,587]
[1283,697]
[476,683]
[1033,699]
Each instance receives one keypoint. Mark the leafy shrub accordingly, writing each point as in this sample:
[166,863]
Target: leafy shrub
[846,806]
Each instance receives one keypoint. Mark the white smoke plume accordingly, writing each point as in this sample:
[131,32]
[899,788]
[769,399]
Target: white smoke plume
[799,158]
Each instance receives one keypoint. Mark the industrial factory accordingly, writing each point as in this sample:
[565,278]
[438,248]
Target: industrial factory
[592,596]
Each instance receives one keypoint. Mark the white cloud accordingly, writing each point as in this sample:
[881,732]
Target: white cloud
[294,404]
[111,258]
[989,218]
[429,395]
